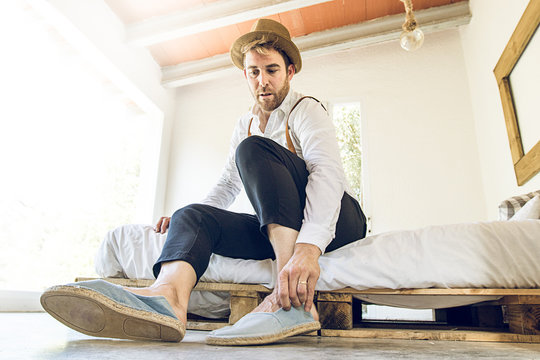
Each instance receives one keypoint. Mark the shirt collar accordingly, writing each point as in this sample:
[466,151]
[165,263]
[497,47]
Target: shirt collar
[287,103]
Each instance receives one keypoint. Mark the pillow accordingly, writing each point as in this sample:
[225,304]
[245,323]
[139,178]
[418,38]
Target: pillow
[531,210]
[510,206]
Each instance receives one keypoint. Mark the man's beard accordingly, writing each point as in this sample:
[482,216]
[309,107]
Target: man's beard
[277,98]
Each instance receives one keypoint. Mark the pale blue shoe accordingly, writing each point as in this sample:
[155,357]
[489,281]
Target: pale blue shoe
[100,308]
[265,328]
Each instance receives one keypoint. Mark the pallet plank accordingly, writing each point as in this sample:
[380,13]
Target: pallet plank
[242,303]
[524,319]
[446,335]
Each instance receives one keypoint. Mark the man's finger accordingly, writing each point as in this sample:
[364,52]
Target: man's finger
[310,295]
[283,290]
[165,225]
[302,290]
[158,225]
[293,292]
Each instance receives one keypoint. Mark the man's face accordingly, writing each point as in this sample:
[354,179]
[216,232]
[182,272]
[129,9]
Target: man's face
[268,78]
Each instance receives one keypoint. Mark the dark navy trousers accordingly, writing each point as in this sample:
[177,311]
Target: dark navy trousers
[275,181]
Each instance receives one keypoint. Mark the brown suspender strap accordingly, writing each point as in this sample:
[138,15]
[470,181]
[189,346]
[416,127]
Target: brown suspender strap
[249,127]
[290,145]
[287,129]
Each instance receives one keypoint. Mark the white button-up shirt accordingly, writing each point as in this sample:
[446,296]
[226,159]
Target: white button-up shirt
[314,139]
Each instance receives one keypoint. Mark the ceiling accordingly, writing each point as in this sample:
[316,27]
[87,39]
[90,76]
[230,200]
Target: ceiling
[187,37]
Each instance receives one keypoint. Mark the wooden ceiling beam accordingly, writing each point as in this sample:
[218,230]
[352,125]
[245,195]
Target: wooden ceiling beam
[213,16]
[365,33]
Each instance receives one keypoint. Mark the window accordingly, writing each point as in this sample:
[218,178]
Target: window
[72,146]
[347,122]
[348,132]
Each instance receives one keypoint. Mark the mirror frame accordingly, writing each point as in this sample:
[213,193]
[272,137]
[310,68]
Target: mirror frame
[525,165]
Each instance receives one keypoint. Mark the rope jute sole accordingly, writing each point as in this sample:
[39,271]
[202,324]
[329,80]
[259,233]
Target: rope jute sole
[266,339]
[94,314]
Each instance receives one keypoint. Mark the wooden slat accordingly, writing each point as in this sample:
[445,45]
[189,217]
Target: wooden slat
[446,335]
[242,303]
[335,310]
[231,287]
[520,299]
[205,325]
[121,281]
[437,291]
[259,288]
[329,296]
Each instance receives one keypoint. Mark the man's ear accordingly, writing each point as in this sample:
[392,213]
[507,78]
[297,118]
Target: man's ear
[291,71]
[245,73]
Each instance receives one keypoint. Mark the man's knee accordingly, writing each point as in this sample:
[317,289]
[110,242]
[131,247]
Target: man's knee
[250,148]
[191,212]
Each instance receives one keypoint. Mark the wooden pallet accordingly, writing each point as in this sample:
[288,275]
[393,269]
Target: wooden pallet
[521,306]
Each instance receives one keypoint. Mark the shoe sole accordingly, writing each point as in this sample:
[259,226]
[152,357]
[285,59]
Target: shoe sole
[265,339]
[94,314]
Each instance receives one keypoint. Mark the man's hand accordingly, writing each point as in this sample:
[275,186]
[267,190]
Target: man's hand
[297,279]
[162,225]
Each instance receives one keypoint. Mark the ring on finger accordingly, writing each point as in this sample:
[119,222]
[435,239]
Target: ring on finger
[302,282]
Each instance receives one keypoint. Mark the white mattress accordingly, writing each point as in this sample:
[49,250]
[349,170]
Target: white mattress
[499,254]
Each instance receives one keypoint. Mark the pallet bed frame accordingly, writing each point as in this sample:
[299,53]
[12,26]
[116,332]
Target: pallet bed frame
[520,307]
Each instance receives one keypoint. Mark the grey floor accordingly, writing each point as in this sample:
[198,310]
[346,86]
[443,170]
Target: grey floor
[39,336]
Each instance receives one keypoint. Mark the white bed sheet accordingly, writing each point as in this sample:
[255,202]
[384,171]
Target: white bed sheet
[498,254]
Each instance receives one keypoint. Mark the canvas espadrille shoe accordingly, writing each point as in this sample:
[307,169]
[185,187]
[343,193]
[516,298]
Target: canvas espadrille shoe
[100,308]
[265,328]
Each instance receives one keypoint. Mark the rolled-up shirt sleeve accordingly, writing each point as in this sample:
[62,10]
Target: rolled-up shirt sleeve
[315,133]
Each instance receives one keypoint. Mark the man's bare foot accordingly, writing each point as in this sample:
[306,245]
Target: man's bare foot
[170,295]
[271,304]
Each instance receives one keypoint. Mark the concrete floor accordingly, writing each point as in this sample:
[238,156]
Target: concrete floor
[39,336]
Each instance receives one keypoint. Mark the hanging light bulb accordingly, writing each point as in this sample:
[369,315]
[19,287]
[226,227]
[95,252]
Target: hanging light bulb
[412,37]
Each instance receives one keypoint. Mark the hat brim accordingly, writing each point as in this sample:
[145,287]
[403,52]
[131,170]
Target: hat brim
[284,44]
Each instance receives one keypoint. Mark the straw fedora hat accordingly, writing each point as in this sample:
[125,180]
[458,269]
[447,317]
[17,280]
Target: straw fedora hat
[275,31]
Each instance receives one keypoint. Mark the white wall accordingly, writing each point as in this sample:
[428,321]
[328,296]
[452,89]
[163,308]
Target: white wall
[206,114]
[484,40]
[422,163]
[420,144]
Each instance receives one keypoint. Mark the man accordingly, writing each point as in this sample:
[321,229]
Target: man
[285,155]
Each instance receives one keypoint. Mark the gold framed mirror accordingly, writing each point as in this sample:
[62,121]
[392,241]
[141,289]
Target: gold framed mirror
[526,163]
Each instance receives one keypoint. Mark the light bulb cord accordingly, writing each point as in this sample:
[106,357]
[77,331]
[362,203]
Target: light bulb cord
[410,21]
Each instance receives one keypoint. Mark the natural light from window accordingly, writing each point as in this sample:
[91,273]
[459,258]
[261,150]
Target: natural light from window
[347,122]
[71,146]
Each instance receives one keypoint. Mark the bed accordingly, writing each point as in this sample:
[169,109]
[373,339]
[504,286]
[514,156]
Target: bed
[412,269]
